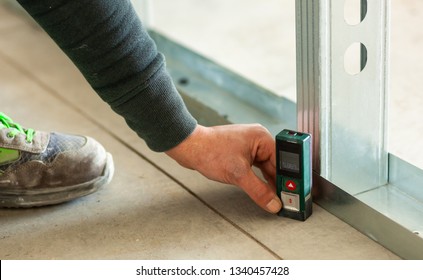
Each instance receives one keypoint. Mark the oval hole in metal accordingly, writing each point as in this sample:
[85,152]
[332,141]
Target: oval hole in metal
[355,58]
[355,11]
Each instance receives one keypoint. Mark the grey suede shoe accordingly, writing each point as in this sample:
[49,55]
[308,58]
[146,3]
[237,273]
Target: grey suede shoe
[39,168]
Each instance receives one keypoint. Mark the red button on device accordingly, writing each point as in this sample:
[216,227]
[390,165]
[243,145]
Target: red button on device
[290,185]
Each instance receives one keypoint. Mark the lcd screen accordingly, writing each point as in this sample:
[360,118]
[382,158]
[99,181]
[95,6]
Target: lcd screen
[289,161]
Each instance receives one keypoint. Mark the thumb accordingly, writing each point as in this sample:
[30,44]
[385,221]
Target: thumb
[262,194]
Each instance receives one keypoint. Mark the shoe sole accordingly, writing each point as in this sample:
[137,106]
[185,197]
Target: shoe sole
[51,196]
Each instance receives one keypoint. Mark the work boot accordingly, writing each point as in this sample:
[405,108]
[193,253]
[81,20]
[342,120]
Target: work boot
[39,168]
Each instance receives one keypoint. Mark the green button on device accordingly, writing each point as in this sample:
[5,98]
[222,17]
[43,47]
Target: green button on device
[293,174]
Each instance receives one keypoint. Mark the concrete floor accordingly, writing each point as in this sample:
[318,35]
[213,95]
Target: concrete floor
[153,208]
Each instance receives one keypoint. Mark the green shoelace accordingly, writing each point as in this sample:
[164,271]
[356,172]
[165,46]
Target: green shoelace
[6,122]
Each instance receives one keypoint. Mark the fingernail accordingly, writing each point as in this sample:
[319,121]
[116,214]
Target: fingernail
[274,205]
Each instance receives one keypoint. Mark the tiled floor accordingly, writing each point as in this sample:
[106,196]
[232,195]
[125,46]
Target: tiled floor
[153,209]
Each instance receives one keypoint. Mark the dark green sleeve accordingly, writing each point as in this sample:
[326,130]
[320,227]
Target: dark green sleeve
[107,42]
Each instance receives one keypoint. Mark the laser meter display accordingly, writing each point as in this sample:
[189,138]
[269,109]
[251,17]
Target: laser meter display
[289,161]
[294,175]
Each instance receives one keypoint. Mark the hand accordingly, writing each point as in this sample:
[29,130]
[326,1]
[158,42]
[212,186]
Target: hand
[227,153]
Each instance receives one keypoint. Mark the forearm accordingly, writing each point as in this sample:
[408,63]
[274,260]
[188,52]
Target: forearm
[107,42]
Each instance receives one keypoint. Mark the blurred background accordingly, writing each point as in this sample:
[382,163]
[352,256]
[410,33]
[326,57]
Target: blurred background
[256,39]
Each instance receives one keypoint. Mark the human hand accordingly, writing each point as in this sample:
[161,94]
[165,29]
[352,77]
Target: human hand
[227,153]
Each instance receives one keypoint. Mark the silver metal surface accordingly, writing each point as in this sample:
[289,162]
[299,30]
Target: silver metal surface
[345,113]
[312,80]
[363,214]
[406,177]
[342,101]
[396,205]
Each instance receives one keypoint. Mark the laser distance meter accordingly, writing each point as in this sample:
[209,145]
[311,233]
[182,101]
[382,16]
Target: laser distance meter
[293,174]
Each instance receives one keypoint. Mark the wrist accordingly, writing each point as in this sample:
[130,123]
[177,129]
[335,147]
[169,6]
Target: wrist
[188,151]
